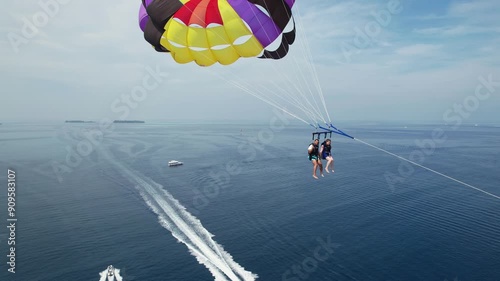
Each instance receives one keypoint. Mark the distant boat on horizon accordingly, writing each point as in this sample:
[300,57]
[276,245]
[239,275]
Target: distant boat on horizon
[78,121]
[128,121]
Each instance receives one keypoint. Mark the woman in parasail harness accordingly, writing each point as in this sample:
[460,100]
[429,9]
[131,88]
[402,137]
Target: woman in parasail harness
[326,153]
[313,151]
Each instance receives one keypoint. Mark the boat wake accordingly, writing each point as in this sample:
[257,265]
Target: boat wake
[185,227]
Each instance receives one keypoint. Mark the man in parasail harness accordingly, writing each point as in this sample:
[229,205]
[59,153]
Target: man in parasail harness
[313,151]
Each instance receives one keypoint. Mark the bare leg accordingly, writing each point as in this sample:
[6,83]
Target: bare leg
[328,163]
[315,166]
[320,167]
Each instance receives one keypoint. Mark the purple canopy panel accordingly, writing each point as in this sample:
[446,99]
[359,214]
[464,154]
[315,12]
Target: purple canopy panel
[290,3]
[143,15]
[262,26]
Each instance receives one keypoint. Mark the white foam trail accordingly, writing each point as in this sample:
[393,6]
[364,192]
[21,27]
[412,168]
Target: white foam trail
[117,275]
[186,228]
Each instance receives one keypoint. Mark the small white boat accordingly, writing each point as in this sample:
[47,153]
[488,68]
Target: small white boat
[111,271]
[110,274]
[175,163]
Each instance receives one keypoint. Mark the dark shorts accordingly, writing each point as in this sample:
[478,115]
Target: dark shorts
[313,157]
[326,154]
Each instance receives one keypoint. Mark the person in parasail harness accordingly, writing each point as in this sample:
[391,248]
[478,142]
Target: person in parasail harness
[326,153]
[313,151]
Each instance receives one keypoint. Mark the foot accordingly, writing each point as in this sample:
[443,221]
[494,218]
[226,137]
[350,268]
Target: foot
[314,176]
[327,171]
[333,171]
[322,175]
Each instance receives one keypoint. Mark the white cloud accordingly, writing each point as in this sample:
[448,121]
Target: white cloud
[465,9]
[419,49]
[465,18]
[459,30]
[337,21]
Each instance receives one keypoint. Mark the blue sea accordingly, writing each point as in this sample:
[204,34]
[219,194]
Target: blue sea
[244,205]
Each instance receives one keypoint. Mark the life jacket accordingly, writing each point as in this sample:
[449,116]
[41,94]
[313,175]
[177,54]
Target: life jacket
[327,148]
[315,150]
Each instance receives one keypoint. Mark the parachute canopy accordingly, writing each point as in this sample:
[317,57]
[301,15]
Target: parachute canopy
[210,31]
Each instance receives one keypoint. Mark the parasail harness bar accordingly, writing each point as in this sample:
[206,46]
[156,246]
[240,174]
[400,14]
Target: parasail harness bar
[328,131]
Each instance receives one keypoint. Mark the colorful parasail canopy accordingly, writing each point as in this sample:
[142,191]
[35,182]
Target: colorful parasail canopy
[210,31]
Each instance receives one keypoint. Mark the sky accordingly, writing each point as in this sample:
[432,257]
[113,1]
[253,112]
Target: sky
[415,61]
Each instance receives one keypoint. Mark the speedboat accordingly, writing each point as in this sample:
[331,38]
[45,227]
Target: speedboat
[111,271]
[174,163]
[110,274]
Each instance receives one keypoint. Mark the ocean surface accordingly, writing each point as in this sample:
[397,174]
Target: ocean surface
[244,205]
